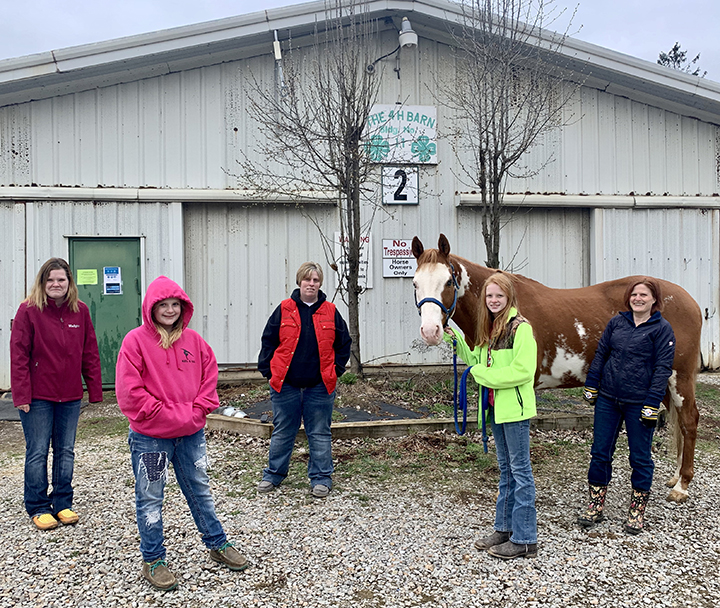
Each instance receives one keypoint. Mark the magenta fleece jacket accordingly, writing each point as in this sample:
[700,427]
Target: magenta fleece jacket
[51,351]
[166,393]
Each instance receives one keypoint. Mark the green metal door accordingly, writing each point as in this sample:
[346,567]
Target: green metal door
[107,272]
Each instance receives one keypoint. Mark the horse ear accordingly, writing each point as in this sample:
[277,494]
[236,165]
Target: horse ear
[443,245]
[417,247]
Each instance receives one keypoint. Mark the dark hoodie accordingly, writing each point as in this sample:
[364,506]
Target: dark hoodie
[166,393]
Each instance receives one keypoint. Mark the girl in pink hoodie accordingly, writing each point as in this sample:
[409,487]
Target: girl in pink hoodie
[166,383]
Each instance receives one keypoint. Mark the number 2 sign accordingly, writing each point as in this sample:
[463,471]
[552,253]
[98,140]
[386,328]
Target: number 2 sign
[399,185]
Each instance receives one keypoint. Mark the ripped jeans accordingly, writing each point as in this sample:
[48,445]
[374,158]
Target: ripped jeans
[150,459]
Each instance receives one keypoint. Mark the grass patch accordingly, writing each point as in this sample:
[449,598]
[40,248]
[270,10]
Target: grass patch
[348,379]
[707,393]
[114,426]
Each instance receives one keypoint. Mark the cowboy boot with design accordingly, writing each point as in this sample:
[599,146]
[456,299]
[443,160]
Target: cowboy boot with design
[594,512]
[636,514]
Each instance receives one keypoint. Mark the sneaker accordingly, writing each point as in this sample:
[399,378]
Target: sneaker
[265,487]
[158,575]
[320,491]
[496,538]
[511,550]
[229,555]
[67,517]
[45,522]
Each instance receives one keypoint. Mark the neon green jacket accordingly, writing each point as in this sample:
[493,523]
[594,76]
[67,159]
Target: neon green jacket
[511,373]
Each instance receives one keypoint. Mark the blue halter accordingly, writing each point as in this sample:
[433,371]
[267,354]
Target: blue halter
[448,311]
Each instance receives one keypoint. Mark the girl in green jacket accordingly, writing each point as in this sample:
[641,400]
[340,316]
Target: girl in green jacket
[503,364]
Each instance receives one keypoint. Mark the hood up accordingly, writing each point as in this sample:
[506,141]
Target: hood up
[161,289]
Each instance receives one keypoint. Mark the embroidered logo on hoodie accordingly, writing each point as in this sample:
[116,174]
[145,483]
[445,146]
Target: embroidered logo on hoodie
[189,357]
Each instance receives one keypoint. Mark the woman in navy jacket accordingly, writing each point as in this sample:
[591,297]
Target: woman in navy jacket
[52,348]
[626,382]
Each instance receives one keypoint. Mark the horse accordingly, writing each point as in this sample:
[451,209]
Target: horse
[567,324]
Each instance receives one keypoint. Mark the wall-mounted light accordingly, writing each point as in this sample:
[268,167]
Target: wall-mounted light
[277,51]
[406,38]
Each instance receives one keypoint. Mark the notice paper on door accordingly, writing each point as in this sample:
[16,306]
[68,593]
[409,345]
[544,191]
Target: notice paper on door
[112,281]
[86,276]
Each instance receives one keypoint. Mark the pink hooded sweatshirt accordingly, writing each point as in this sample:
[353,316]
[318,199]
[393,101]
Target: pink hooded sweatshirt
[166,393]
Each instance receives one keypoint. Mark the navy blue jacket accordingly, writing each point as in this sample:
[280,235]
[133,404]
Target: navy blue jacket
[304,369]
[633,364]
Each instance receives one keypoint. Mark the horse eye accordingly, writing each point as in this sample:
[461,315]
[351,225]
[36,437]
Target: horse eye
[449,283]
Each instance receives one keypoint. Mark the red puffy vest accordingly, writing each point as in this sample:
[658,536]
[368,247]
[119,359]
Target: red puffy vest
[324,322]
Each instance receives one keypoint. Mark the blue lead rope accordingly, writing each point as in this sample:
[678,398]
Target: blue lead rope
[462,397]
[459,397]
[460,400]
[485,404]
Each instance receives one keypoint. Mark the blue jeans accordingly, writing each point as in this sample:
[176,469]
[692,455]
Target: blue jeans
[314,407]
[515,507]
[47,423]
[150,458]
[609,417]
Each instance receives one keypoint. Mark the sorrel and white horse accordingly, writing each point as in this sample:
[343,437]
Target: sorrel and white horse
[567,324]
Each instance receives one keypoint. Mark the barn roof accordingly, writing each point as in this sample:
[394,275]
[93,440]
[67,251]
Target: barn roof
[78,68]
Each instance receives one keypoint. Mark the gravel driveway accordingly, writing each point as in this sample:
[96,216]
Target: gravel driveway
[370,544]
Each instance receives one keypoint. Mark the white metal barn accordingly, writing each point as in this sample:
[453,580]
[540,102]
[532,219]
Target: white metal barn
[119,157]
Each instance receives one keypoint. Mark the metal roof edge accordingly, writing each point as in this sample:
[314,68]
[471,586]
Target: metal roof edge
[596,201]
[600,62]
[154,195]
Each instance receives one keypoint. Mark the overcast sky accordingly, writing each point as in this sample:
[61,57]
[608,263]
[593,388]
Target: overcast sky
[641,28]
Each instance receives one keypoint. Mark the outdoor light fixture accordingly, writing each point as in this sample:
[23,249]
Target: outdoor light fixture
[406,37]
[277,51]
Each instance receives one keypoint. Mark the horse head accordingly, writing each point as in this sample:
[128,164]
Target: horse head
[437,284]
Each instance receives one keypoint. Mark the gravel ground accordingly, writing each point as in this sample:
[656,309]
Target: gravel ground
[370,544]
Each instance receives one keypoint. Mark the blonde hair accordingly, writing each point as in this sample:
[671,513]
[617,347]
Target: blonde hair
[306,270]
[493,328]
[168,338]
[38,296]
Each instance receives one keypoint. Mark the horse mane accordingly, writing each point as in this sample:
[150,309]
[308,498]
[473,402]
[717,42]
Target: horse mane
[429,256]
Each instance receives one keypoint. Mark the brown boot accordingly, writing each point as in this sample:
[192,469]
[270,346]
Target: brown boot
[636,515]
[594,512]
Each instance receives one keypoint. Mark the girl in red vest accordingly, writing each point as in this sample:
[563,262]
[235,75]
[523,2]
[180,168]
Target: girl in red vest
[305,347]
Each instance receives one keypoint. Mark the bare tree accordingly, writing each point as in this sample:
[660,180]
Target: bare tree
[314,121]
[506,91]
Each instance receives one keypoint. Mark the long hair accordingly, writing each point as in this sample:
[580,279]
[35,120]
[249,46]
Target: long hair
[38,297]
[654,288]
[168,338]
[492,328]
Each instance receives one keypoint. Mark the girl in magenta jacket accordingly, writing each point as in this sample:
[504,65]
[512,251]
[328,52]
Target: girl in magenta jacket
[52,348]
[166,383]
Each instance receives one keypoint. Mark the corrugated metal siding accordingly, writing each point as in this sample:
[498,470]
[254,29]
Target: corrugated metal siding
[12,270]
[549,245]
[50,223]
[187,129]
[612,145]
[680,245]
[241,262]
